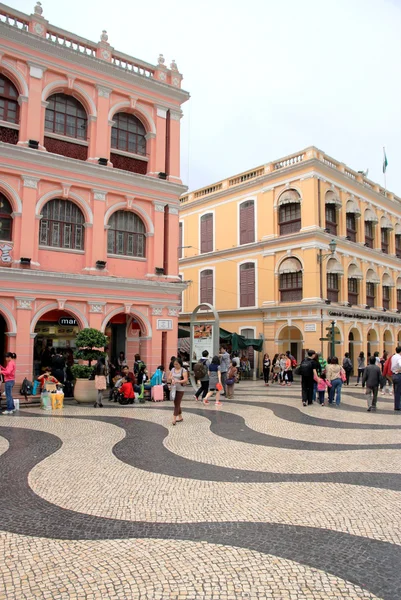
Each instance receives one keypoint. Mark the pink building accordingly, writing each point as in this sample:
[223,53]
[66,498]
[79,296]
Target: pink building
[89,193]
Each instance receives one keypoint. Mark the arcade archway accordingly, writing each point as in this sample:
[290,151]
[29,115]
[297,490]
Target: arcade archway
[388,343]
[3,338]
[55,329]
[290,338]
[373,342]
[125,333]
[354,345]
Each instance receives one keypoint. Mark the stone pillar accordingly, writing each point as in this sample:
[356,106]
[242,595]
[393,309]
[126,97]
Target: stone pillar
[157,257]
[24,341]
[160,155]
[29,243]
[174,149]
[101,146]
[173,236]
[99,234]
[35,111]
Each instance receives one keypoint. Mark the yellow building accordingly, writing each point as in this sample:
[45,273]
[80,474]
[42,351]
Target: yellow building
[256,246]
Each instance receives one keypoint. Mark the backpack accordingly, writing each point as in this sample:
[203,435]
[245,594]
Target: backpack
[347,364]
[387,372]
[200,370]
[305,369]
[293,363]
[137,366]
[26,388]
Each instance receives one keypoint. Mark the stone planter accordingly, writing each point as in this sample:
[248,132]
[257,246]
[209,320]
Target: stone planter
[85,391]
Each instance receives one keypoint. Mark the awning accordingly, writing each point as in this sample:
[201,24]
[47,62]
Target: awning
[372,277]
[354,272]
[385,223]
[289,197]
[334,266]
[237,342]
[399,283]
[332,198]
[397,229]
[290,265]
[353,208]
[387,281]
[370,216]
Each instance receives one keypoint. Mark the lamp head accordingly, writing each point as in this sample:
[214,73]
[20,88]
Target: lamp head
[333,246]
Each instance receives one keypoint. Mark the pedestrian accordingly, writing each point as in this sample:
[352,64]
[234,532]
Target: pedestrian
[347,366]
[289,360]
[383,379]
[121,362]
[171,364]
[224,366]
[371,378]
[127,389]
[283,365]
[308,371]
[322,385]
[8,373]
[336,375]
[178,378]
[215,384]
[201,374]
[58,365]
[396,370]
[231,378]
[361,367]
[100,380]
[266,368]
[138,364]
[275,368]
[377,358]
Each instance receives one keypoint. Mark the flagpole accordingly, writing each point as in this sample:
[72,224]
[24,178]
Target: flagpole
[384,170]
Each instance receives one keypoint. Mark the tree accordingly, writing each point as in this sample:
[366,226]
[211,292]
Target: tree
[89,342]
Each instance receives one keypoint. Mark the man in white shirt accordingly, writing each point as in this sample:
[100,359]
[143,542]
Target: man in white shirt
[396,370]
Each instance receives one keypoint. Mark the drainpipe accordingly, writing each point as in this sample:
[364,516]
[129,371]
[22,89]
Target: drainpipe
[319,213]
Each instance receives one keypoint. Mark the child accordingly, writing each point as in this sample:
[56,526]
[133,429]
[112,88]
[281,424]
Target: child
[322,385]
[47,377]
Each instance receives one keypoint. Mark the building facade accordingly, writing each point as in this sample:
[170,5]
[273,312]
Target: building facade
[89,193]
[256,246]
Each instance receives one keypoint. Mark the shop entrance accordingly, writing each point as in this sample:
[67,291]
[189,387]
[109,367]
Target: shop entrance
[56,329]
[124,333]
[354,346]
[373,342]
[388,344]
[3,339]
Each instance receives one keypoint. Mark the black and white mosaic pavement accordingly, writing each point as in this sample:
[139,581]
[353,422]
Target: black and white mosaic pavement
[263,498]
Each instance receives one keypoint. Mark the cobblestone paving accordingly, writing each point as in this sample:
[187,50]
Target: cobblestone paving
[263,498]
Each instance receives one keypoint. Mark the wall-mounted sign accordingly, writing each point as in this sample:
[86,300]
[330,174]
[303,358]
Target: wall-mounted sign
[364,316]
[67,321]
[310,327]
[202,340]
[166,324]
[6,254]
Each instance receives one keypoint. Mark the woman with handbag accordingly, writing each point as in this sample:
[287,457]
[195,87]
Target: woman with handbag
[336,375]
[100,380]
[266,368]
[178,378]
[214,381]
[230,381]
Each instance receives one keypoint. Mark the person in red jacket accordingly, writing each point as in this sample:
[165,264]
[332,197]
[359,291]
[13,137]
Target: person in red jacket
[8,373]
[127,389]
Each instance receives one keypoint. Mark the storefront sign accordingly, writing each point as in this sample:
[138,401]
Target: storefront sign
[165,324]
[364,316]
[202,340]
[68,321]
[310,327]
[6,254]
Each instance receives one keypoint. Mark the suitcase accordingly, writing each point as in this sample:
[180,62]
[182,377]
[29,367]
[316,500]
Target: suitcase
[157,393]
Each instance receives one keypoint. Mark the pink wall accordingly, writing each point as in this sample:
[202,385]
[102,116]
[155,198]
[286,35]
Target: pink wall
[68,280]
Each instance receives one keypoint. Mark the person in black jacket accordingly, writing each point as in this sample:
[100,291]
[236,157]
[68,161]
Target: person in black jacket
[371,378]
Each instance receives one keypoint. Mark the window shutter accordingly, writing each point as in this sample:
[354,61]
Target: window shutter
[247,222]
[206,287]
[207,233]
[247,285]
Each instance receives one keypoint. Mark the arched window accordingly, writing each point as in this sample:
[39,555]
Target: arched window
[247,222]
[352,213]
[206,286]
[126,235]
[6,220]
[290,283]
[385,228]
[387,284]
[398,240]
[62,225]
[332,201]
[9,108]
[9,111]
[247,284]
[128,134]
[289,214]
[370,220]
[206,233]
[65,115]
[372,280]
[354,276]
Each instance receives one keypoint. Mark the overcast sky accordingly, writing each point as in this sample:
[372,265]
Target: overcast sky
[267,78]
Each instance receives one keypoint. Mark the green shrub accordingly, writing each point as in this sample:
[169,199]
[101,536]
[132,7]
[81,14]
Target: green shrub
[81,371]
[88,343]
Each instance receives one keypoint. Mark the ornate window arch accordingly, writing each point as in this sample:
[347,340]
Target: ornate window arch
[65,115]
[126,234]
[289,212]
[62,225]
[128,134]
[291,281]
[6,219]
[9,107]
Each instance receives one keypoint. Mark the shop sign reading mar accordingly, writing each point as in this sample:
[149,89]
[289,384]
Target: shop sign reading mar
[68,321]
[364,316]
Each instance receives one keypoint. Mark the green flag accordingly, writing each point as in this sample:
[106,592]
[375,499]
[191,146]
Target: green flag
[385,162]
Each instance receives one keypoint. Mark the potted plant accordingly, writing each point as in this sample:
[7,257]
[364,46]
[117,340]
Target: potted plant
[90,343]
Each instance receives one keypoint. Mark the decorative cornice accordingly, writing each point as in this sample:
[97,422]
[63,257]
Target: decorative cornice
[30,182]
[99,195]
[103,92]
[159,207]
[173,210]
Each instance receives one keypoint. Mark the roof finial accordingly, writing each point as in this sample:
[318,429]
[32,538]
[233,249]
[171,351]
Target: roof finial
[104,37]
[173,65]
[38,10]
[161,60]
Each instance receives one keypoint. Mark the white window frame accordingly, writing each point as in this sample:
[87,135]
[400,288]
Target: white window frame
[207,212]
[243,262]
[255,205]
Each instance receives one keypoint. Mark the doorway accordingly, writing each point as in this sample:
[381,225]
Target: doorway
[3,339]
